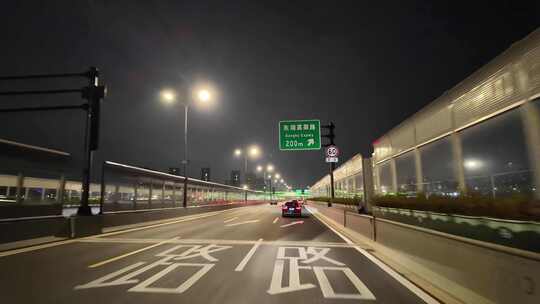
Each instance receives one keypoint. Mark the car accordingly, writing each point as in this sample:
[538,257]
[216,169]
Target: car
[273,202]
[291,208]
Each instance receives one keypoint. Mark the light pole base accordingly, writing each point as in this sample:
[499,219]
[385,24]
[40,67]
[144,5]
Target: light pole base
[84,211]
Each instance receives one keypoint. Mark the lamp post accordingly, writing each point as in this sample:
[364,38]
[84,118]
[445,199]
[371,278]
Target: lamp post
[251,151]
[169,96]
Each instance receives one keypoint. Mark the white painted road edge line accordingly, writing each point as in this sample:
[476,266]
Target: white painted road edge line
[248,256]
[230,220]
[398,277]
[131,253]
[275,220]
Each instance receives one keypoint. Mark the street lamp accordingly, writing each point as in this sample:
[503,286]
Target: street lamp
[169,96]
[251,151]
[259,168]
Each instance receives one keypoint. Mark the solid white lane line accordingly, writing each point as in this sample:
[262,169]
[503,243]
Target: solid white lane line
[291,224]
[230,220]
[32,248]
[130,253]
[396,276]
[275,220]
[248,256]
[242,223]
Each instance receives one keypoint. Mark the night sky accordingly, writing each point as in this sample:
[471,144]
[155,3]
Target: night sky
[365,66]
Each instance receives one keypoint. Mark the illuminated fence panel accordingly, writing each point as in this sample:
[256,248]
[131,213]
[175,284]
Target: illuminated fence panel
[495,157]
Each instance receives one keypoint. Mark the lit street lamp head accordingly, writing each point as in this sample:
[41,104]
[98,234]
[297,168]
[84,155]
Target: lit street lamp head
[270,168]
[168,95]
[204,95]
[254,151]
[259,168]
[237,152]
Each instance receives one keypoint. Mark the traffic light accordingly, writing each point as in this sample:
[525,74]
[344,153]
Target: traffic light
[330,134]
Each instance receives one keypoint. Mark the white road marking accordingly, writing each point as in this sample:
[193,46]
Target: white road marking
[130,253]
[230,220]
[37,247]
[248,256]
[291,224]
[221,242]
[398,277]
[328,292]
[275,220]
[242,223]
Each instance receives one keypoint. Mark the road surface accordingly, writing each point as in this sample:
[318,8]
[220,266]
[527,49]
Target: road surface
[241,255]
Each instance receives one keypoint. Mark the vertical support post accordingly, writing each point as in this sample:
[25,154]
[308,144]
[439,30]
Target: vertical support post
[174,194]
[531,121]
[418,171]
[332,194]
[61,189]
[19,195]
[163,194]
[393,173]
[185,161]
[85,209]
[135,195]
[459,170]
[150,189]
[102,191]
[367,176]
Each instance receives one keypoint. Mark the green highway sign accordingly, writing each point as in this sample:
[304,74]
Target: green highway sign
[297,135]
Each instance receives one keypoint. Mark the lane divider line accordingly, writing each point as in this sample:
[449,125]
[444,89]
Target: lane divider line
[394,274]
[242,223]
[248,256]
[292,224]
[230,220]
[275,220]
[131,253]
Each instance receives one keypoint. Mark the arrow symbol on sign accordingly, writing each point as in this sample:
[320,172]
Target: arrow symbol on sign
[310,141]
[291,224]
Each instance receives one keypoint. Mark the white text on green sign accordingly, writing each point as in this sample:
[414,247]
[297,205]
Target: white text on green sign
[300,135]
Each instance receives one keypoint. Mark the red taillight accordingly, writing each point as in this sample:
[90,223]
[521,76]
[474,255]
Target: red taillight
[298,208]
[284,208]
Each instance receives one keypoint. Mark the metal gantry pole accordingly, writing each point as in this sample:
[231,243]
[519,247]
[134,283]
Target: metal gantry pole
[185,161]
[84,209]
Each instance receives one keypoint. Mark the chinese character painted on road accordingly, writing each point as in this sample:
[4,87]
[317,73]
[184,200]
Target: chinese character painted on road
[129,274]
[298,261]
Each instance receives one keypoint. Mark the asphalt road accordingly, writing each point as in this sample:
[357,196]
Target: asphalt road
[243,255]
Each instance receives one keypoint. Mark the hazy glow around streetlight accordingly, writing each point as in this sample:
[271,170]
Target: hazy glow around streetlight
[281,180]
[270,168]
[237,152]
[245,187]
[473,164]
[168,95]
[259,168]
[278,175]
[204,95]
[254,151]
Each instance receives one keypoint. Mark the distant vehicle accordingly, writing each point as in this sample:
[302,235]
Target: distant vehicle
[273,202]
[291,208]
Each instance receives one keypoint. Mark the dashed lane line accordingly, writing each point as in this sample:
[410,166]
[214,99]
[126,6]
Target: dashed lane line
[275,220]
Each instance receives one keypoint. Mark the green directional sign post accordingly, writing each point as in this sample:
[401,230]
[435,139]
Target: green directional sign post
[298,135]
